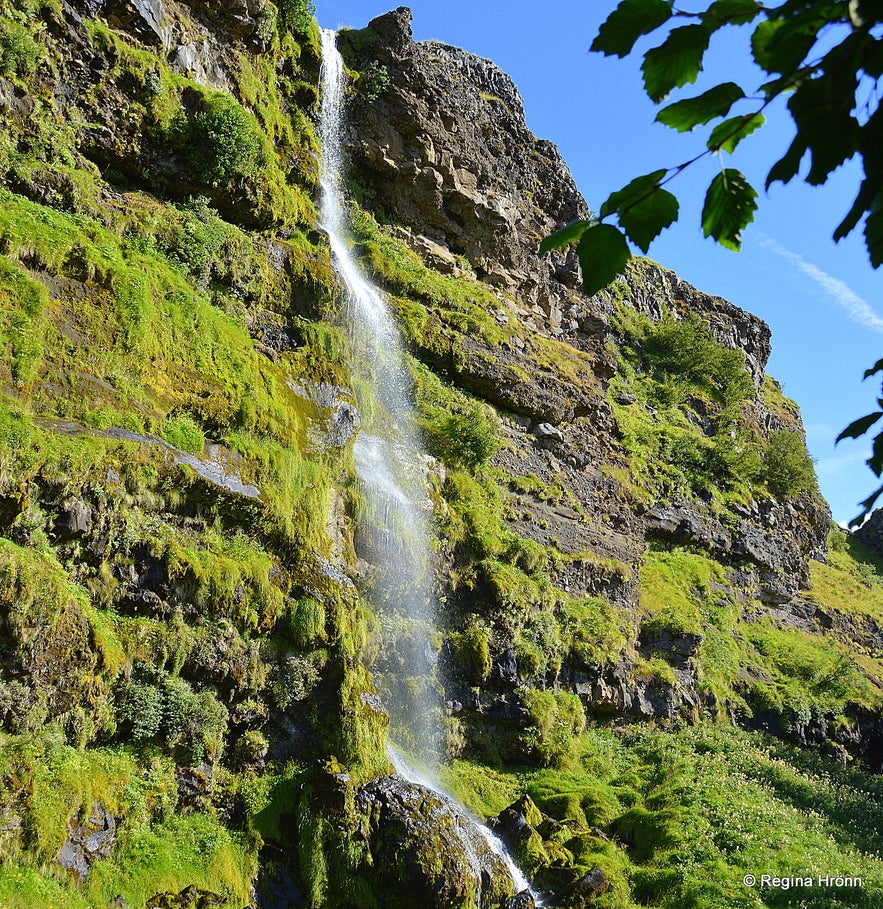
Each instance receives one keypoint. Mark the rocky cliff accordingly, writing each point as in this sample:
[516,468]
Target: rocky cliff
[633,561]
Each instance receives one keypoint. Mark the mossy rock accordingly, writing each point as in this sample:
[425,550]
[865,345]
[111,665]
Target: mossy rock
[423,852]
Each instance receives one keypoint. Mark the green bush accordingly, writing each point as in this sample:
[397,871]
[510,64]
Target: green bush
[19,53]
[223,141]
[466,439]
[265,24]
[373,81]
[788,468]
[685,355]
[297,15]
[165,709]
[184,432]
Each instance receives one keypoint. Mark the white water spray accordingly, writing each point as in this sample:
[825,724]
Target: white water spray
[394,535]
[389,467]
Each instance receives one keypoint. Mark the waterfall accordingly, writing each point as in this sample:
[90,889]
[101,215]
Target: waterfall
[391,468]
[390,464]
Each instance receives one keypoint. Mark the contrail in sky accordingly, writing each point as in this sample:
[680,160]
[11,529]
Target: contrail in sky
[857,308]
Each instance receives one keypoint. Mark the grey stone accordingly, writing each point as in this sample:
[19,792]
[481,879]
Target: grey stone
[547,431]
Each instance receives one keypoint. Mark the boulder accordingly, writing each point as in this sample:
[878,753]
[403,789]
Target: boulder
[426,850]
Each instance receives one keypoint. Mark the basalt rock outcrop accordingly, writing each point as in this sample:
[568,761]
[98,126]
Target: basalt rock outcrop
[446,151]
[442,148]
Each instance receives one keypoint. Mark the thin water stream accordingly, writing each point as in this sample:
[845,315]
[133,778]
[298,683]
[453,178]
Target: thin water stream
[389,465]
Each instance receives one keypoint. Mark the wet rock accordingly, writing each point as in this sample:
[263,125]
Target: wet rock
[523,900]
[189,898]
[194,783]
[276,889]
[334,420]
[506,666]
[677,648]
[423,848]
[74,521]
[88,840]
[147,19]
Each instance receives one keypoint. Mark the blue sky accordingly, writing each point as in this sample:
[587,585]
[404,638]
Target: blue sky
[821,299]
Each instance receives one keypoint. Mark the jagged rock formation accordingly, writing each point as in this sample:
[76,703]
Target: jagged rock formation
[447,151]
[444,150]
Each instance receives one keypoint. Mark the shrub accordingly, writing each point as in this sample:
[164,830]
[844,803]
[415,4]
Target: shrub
[688,354]
[224,141]
[183,432]
[373,81]
[265,24]
[139,708]
[152,706]
[297,15]
[465,439]
[788,468]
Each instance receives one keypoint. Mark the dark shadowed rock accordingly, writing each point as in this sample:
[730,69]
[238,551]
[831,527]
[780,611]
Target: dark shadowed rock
[581,895]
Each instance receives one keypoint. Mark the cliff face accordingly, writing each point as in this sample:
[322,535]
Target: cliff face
[416,163]
[625,517]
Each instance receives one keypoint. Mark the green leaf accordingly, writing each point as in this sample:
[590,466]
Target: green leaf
[729,207]
[877,367]
[567,234]
[875,462]
[634,192]
[727,135]
[787,166]
[645,221]
[863,201]
[866,506]
[730,12]
[630,20]
[603,255]
[874,235]
[859,427]
[643,208]
[825,125]
[780,45]
[717,101]
[677,61]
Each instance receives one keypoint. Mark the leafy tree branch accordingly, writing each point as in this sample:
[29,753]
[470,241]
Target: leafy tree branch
[825,56]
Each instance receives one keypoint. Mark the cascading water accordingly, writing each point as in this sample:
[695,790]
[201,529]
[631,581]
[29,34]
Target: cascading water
[391,471]
[389,463]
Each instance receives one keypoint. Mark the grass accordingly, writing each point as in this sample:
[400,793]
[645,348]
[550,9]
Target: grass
[680,817]
[690,431]
[742,658]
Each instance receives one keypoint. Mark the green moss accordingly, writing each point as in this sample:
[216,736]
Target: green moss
[22,327]
[556,717]
[472,648]
[423,297]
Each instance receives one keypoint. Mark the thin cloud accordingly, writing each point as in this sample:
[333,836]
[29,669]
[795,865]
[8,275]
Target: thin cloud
[842,294]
